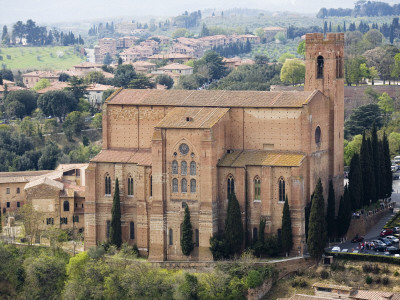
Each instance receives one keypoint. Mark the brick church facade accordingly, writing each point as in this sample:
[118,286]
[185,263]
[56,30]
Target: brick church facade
[176,148]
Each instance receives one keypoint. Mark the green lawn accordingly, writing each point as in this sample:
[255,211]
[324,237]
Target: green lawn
[39,58]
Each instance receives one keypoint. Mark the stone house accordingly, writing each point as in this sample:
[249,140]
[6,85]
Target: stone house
[31,78]
[177,68]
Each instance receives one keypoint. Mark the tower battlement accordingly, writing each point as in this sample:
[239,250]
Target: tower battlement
[318,38]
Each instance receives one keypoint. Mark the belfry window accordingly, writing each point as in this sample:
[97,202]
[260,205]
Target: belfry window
[184,185]
[183,168]
[257,188]
[107,185]
[174,185]
[171,237]
[192,168]
[174,167]
[281,190]
[320,67]
[66,205]
[131,231]
[130,186]
[193,186]
[230,185]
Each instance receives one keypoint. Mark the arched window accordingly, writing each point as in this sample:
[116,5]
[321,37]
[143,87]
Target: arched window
[66,205]
[320,67]
[108,226]
[107,185]
[318,135]
[257,188]
[196,238]
[183,168]
[193,186]
[151,186]
[255,234]
[281,190]
[192,168]
[18,190]
[174,185]
[174,167]
[184,185]
[171,237]
[131,230]
[231,185]
[130,186]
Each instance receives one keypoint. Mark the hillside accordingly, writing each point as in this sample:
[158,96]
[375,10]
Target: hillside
[39,58]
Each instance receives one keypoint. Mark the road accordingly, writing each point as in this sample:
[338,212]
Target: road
[373,234]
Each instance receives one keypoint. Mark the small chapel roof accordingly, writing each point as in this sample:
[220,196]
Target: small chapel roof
[192,117]
[140,157]
[211,98]
[241,158]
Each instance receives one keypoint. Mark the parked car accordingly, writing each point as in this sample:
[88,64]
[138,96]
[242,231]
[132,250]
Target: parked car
[393,250]
[386,241]
[386,232]
[378,242]
[336,249]
[396,229]
[379,247]
[356,251]
[345,250]
[393,238]
[357,239]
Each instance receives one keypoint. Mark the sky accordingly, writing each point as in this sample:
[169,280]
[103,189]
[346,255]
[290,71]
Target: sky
[53,11]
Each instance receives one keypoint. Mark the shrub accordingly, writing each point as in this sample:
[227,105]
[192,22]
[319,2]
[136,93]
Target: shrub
[299,282]
[96,252]
[385,280]
[385,269]
[368,280]
[337,266]
[324,274]
[8,56]
[396,273]
[378,280]
[254,279]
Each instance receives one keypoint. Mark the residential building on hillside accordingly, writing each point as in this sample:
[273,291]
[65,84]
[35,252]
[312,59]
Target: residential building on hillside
[271,32]
[177,68]
[172,149]
[31,78]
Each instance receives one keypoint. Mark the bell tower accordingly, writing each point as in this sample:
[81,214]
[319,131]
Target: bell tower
[324,72]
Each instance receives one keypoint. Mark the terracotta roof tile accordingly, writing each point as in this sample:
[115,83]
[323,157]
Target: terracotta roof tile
[375,295]
[192,117]
[213,98]
[333,286]
[241,158]
[140,157]
[23,176]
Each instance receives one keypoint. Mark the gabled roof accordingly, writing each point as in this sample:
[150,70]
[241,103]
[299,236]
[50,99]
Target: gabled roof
[212,98]
[45,180]
[23,176]
[242,158]
[192,117]
[140,157]
[176,66]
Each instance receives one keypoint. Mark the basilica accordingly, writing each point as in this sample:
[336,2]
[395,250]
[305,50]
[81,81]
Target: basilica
[172,149]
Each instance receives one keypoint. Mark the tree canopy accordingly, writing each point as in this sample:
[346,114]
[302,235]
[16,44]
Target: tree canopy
[293,71]
[57,103]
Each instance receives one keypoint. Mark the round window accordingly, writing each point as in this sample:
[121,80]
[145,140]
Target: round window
[318,135]
[183,149]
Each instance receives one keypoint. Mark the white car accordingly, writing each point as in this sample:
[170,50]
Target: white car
[392,238]
[345,250]
[336,249]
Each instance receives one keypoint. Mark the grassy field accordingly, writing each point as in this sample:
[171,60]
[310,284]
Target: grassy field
[39,58]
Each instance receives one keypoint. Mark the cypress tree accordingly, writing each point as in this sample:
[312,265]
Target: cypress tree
[376,162]
[187,234]
[382,170]
[373,197]
[387,163]
[365,163]
[115,228]
[330,212]
[287,235]
[1,223]
[233,226]
[344,214]
[317,226]
[355,183]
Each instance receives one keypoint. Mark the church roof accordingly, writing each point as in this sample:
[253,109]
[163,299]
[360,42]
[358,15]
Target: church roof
[241,158]
[211,98]
[140,157]
[192,117]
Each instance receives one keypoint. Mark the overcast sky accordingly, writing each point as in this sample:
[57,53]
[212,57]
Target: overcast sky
[74,10]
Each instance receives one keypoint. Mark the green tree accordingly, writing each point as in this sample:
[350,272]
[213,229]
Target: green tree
[330,212]
[261,59]
[317,225]
[355,183]
[204,31]
[233,226]
[31,220]
[49,157]
[45,276]
[362,119]
[386,105]
[165,80]
[387,172]
[285,56]
[180,32]
[97,121]
[107,59]
[50,126]
[141,82]
[396,67]
[123,75]
[394,143]
[74,123]
[64,77]
[293,71]
[187,245]
[216,68]
[351,147]
[368,172]
[375,160]
[280,38]
[27,126]
[115,229]
[301,48]
[344,214]
[95,77]
[27,101]
[107,93]
[57,103]
[41,84]
[78,87]
[372,39]
[189,288]
[287,235]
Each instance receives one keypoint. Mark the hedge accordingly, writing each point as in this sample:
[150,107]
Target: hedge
[390,224]
[366,257]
